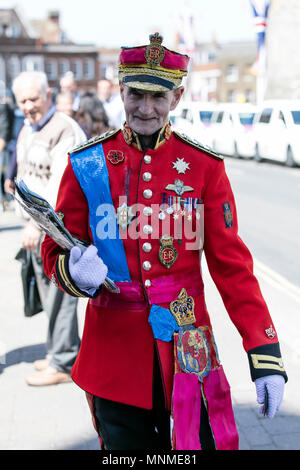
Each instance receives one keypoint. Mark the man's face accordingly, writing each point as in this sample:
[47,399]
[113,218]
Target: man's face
[65,105]
[67,84]
[148,111]
[32,102]
[104,90]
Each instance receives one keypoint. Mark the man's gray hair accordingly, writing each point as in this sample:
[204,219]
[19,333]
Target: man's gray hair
[40,78]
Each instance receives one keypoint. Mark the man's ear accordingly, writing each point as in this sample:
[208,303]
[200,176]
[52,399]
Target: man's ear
[177,94]
[49,94]
[121,90]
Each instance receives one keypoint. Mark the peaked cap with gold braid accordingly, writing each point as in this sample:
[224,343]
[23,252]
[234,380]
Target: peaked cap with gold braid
[152,67]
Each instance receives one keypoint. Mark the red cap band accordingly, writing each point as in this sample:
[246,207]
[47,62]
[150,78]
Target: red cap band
[137,56]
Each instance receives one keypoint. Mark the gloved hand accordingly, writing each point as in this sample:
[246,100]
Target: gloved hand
[271,386]
[87,270]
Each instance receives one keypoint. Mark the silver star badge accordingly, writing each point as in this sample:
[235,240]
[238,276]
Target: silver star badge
[180,165]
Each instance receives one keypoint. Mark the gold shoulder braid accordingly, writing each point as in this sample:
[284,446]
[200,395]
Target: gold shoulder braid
[95,140]
[198,145]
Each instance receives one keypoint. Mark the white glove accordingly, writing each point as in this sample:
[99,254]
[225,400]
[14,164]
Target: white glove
[87,269]
[269,390]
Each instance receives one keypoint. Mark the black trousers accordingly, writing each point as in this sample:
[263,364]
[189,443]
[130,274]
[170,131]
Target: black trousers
[125,427]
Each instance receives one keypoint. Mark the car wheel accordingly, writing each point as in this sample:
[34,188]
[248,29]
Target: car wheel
[257,156]
[290,162]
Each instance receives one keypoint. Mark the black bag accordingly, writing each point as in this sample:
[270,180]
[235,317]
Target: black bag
[32,301]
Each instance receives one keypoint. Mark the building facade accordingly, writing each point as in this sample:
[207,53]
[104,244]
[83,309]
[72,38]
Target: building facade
[43,46]
[223,72]
[236,81]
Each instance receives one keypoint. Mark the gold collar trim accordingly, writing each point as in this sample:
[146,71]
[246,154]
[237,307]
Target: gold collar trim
[131,138]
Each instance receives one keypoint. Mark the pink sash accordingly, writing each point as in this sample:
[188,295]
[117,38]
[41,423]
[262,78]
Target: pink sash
[163,289]
[186,408]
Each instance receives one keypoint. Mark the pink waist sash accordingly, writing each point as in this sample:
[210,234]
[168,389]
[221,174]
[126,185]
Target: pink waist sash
[186,410]
[133,295]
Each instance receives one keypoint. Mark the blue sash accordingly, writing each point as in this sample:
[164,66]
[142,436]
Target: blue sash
[90,169]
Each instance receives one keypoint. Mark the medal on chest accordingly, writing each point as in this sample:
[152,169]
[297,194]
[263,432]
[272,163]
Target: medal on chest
[181,166]
[124,216]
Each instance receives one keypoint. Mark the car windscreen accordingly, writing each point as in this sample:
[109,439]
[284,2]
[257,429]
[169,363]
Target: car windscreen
[296,117]
[205,116]
[246,118]
[265,116]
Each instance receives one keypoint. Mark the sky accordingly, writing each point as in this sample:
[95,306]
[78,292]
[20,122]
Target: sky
[115,23]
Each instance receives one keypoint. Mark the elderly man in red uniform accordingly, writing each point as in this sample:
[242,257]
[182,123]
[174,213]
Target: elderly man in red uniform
[148,201]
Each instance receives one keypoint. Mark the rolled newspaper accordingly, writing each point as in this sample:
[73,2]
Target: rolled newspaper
[47,219]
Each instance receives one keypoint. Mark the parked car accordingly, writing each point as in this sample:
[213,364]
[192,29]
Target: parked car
[276,132]
[194,119]
[179,123]
[231,129]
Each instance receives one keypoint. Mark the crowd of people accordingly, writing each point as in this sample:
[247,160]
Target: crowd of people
[50,123]
[95,111]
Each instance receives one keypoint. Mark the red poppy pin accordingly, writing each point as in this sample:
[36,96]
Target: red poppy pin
[115,156]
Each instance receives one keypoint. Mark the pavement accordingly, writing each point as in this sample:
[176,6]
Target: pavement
[58,418]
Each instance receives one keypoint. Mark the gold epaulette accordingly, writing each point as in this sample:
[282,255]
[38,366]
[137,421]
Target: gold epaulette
[95,140]
[197,145]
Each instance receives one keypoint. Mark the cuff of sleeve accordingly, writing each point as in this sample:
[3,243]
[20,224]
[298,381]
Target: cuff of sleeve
[65,280]
[266,360]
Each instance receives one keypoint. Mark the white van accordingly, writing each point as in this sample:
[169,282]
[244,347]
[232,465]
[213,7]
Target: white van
[194,119]
[277,132]
[231,129]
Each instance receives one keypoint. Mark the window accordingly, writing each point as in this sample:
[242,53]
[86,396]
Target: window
[89,69]
[296,117]
[281,118]
[14,66]
[232,96]
[63,67]
[33,63]
[212,56]
[77,69]
[2,71]
[232,73]
[186,114]
[51,69]
[220,117]
[246,118]
[247,74]
[205,116]
[249,95]
[265,116]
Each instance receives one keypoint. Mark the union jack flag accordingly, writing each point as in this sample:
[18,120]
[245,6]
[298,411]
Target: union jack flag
[185,36]
[260,10]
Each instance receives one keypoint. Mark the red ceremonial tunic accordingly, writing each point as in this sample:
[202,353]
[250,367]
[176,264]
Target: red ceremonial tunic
[115,360]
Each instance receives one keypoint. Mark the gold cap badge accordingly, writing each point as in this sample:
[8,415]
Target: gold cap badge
[155,53]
